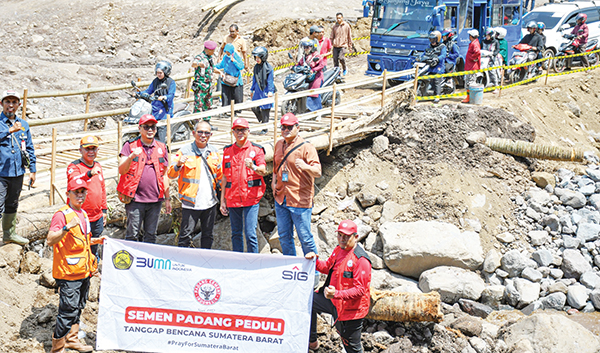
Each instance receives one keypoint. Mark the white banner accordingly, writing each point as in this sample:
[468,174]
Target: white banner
[157,298]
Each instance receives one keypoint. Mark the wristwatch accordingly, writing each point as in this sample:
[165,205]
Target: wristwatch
[65,228]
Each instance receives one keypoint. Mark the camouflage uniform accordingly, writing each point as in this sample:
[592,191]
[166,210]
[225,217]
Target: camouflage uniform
[202,84]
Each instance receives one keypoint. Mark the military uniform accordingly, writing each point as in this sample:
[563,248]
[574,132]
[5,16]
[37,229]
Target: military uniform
[202,85]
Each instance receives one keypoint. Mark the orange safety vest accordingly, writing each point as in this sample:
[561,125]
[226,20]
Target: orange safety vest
[244,187]
[128,183]
[73,258]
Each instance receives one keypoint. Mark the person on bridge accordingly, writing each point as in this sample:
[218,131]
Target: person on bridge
[341,38]
[314,63]
[243,186]
[16,155]
[581,33]
[198,171]
[435,57]
[73,263]
[232,85]
[472,61]
[204,65]
[144,183]
[163,88]
[90,171]
[262,85]
[295,166]
[345,294]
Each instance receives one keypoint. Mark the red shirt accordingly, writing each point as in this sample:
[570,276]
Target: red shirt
[473,59]
[95,202]
[58,221]
[326,47]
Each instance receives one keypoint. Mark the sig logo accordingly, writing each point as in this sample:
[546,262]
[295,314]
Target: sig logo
[294,275]
[122,260]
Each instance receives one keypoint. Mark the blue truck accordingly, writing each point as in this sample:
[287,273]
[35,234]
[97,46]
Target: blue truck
[400,28]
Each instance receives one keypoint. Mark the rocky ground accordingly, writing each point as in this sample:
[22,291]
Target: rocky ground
[509,243]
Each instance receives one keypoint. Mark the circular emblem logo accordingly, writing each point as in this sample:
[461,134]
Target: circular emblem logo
[160,151]
[122,260]
[207,292]
[350,263]
[252,154]
[70,170]
[90,139]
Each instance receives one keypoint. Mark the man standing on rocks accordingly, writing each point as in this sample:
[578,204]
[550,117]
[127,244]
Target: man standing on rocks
[89,170]
[198,173]
[16,154]
[295,166]
[204,65]
[73,265]
[345,294]
[243,186]
[144,183]
[341,38]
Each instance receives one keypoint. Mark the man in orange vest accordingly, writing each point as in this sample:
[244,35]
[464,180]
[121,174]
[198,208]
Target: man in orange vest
[198,171]
[72,266]
[144,183]
[243,186]
[89,170]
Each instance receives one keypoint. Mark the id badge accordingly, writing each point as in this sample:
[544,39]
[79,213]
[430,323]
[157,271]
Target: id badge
[284,176]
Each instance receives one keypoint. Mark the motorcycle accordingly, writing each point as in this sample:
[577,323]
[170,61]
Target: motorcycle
[300,79]
[522,55]
[568,48]
[143,105]
[425,87]
[487,60]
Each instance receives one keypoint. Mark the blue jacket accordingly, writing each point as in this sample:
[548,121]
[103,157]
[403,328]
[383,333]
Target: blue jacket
[440,52]
[453,53]
[158,107]
[232,67]
[10,156]
[260,94]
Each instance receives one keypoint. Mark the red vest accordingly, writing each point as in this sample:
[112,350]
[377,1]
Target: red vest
[128,183]
[244,187]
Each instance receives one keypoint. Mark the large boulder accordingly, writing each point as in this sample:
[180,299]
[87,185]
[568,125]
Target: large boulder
[409,248]
[574,264]
[550,333]
[452,283]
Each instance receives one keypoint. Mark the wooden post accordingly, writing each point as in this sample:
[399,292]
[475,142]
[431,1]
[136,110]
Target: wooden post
[382,88]
[232,117]
[333,118]
[168,132]
[275,120]
[501,82]
[416,82]
[547,71]
[53,167]
[24,113]
[188,86]
[119,140]
[87,108]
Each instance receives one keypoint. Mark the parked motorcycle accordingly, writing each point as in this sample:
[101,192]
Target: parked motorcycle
[522,55]
[487,60]
[300,79]
[568,48]
[143,105]
[425,87]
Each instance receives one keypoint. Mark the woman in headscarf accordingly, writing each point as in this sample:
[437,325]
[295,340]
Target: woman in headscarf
[262,85]
[164,94]
[232,87]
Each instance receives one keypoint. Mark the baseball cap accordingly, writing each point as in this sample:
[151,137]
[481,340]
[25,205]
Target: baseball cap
[240,122]
[88,141]
[473,33]
[314,29]
[289,119]
[76,183]
[147,118]
[347,227]
[10,93]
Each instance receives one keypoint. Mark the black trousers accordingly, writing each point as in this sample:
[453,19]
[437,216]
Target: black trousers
[350,331]
[189,219]
[229,93]
[71,302]
[262,115]
[10,190]
[339,57]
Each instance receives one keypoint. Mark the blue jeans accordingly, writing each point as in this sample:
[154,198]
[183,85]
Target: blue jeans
[244,220]
[287,218]
[97,227]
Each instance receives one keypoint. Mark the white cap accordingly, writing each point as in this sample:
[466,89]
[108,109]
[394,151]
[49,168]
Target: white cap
[473,33]
[10,93]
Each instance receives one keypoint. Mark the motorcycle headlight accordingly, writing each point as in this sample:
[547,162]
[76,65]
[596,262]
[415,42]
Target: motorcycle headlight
[135,110]
[377,67]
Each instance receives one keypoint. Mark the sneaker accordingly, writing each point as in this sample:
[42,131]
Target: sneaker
[436,101]
[345,72]
[313,346]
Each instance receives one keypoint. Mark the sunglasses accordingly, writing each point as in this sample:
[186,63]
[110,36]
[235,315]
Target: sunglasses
[149,127]
[288,127]
[239,130]
[200,132]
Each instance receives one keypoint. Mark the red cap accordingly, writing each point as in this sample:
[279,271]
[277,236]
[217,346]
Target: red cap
[147,118]
[347,227]
[76,183]
[240,122]
[289,119]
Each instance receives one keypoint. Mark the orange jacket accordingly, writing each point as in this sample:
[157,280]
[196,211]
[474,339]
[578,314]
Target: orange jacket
[244,186]
[189,174]
[73,258]
[128,183]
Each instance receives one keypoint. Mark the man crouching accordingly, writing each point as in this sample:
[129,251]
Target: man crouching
[345,294]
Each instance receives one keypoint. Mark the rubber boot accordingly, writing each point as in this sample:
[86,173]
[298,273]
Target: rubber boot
[466,100]
[9,225]
[58,345]
[73,341]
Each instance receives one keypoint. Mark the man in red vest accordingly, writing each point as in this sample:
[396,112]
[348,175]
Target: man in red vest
[345,294]
[72,265]
[144,183]
[243,186]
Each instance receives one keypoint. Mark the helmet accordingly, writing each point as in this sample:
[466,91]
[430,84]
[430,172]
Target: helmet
[261,52]
[541,25]
[473,33]
[447,33]
[164,66]
[582,17]
[531,24]
[435,35]
[489,31]
[501,31]
[309,43]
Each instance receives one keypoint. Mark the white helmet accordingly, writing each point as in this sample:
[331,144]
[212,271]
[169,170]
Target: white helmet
[501,32]
[473,33]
